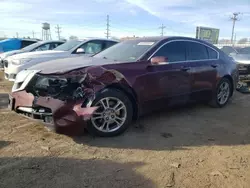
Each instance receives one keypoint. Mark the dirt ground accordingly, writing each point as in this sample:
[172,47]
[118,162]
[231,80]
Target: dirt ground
[188,147]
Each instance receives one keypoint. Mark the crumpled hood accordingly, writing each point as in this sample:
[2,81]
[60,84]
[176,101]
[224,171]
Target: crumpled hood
[68,64]
[241,58]
[47,53]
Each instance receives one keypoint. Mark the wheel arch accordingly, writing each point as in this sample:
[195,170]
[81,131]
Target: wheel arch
[232,82]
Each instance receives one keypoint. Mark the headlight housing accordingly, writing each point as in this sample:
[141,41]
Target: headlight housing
[20,61]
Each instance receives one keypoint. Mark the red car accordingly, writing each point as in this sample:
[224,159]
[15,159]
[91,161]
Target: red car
[104,93]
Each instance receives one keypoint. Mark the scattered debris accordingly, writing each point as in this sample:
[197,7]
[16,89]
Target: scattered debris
[216,173]
[34,167]
[176,165]
[47,148]
[171,181]
[166,135]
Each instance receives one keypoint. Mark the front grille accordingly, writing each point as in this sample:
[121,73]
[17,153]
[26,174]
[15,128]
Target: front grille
[5,62]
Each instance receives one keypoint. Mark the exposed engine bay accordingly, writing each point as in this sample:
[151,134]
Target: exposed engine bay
[59,87]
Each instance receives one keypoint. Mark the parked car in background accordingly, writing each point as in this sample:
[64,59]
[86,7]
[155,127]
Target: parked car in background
[72,48]
[15,44]
[242,56]
[104,93]
[38,46]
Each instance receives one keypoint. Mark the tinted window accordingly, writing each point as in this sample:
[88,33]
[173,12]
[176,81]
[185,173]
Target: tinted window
[54,45]
[174,51]
[25,43]
[212,53]
[109,44]
[196,51]
[42,47]
[92,47]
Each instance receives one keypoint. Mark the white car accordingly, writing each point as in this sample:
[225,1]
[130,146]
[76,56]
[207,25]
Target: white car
[38,46]
[72,48]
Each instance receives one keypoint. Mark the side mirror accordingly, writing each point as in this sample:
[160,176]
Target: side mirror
[159,60]
[80,51]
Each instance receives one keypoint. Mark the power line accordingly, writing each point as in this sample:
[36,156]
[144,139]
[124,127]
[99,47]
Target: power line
[162,29]
[234,18]
[58,31]
[107,29]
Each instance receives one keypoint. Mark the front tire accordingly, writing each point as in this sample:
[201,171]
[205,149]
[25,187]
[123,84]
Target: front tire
[222,94]
[113,116]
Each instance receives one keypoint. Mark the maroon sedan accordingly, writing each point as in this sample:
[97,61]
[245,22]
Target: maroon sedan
[104,93]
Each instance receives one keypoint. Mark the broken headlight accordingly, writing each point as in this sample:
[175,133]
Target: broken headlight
[60,87]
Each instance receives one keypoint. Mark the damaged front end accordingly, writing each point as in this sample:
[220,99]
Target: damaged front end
[62,102]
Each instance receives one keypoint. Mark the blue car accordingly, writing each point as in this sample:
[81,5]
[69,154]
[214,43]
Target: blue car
[15,44]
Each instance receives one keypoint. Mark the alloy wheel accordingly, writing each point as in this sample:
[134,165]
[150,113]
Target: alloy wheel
[110,116]
[223,93]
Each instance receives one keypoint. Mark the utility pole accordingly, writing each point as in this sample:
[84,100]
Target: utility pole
[58,31]
[107,29]
[16,34]
[234,18]
[33,34]
[234,38]
[162,29]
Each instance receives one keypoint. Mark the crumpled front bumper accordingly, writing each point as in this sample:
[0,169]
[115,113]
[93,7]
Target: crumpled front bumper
[62,117]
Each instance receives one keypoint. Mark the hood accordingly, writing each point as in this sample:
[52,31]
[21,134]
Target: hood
[10,53]
[241,58]
[68,64]
[47,53]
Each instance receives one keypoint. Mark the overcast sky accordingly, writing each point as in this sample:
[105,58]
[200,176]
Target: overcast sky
[127,17]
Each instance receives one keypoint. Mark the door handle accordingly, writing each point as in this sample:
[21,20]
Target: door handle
[185,68]
[214,65]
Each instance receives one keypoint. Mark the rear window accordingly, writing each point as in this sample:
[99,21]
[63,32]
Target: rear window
[196,51]
[212,53]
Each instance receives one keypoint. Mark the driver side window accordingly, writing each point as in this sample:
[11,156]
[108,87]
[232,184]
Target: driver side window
[42,48]
[92,47]
[173,51]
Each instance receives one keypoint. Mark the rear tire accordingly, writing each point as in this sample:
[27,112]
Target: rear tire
[222,94]
[113,116]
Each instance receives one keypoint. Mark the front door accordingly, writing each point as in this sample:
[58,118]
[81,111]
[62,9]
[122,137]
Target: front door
[168,82]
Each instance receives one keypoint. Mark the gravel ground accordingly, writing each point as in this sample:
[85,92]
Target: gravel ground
[194,146]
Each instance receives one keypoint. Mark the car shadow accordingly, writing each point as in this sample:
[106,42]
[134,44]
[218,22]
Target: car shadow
[4,100]
[28,172]
[183,127]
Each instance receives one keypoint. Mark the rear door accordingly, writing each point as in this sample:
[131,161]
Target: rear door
[204,62]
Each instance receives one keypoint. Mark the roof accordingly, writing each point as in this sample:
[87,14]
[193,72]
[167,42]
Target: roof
[160,38]
[48,41]
[96,38]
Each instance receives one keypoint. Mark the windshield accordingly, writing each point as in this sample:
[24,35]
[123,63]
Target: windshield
[129,50]
[245,50]
[228,49]
[32,46]
[68,45]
